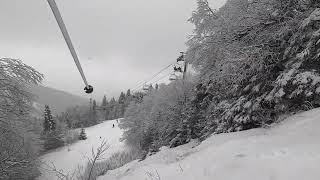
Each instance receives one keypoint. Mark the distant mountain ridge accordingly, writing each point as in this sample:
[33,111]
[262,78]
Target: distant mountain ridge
[58,100]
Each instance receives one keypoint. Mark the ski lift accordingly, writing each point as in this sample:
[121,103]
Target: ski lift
[173,77]
[181,58]
[88,89]
[177,69]
[145,87]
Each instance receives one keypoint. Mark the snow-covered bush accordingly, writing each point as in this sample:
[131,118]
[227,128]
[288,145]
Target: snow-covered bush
[289,84]
[19,140]
[115,161]
[71,136]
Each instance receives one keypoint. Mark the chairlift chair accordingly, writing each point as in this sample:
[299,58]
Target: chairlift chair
[180,58]
[145,87]
[177,69]
[173,77]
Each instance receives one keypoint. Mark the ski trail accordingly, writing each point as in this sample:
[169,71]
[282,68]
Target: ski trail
[70,161]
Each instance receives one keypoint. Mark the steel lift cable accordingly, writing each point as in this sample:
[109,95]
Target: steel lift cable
[155,75]
[152,82]
[161,78]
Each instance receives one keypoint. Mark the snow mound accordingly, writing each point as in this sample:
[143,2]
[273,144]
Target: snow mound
[287,151]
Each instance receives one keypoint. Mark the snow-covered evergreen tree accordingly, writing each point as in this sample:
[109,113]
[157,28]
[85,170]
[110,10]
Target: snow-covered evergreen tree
[49,123]
[128,95]
[93,113]
[122,98]
[83,135]
[51,136]
[104,101]
[94,105]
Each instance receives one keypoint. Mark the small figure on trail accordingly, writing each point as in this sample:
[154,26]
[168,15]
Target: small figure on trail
[112,125]
[100,137]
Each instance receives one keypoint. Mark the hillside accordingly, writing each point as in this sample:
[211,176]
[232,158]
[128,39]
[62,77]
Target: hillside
[58,100]
[286,151]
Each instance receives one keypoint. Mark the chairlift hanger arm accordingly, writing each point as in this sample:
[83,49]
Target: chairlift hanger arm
[88,89]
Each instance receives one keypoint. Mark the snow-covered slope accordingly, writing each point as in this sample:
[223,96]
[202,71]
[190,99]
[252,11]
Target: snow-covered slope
[287,151]
[68,161]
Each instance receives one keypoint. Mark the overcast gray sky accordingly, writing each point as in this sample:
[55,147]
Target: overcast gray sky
[119,42]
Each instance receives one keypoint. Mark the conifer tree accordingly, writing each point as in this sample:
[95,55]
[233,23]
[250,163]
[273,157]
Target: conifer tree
[94,105]
[121,105]
[52,137]
[83,135]
[112,112]
[93,113]
[105,107]
[150,88]
[122,98]
[104,101]
[49,124]
[112,101]
[128,93]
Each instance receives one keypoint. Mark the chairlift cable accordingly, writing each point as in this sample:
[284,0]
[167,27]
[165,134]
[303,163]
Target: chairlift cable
[161,78]
[161,71]
[156,74]
[149,79]
[151,82]
[155,81]
[142,83]
[67,39]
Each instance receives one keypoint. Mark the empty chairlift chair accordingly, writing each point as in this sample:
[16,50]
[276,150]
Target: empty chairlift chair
[173,77]
[145,87]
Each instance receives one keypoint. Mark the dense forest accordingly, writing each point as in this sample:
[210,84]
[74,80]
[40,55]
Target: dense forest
[94,113]
[255,60]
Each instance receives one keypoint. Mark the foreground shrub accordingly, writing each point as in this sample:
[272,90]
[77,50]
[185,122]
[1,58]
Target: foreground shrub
[115,161]
[71,136]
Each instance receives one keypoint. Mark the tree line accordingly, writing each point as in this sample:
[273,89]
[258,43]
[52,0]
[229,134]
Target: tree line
[115,109]
[92,114]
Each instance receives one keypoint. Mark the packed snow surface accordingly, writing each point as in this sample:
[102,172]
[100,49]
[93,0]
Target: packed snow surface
[68,159]
[287,151]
